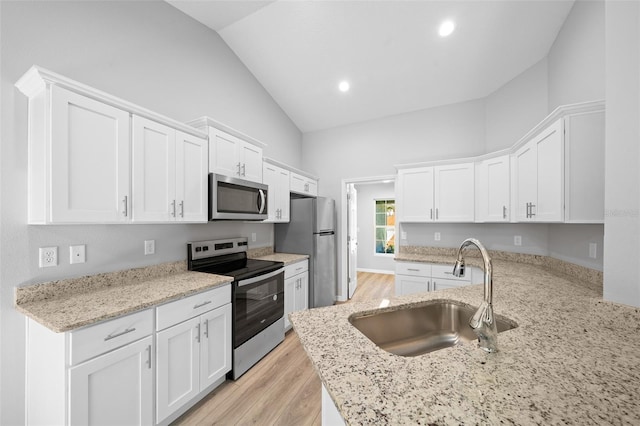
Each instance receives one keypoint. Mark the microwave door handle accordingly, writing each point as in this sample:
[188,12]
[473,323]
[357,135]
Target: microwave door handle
[261,201]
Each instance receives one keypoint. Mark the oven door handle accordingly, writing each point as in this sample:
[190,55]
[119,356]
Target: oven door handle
[259,278]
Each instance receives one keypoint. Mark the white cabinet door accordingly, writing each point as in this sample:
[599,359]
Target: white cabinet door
[302,293]
[550,174]
[251,162]
[178,366]
[153,171]
[454,193]
[493,190]
[303,185]
[215,345]
[406,284]
[540,177]
[191,178]
[278,199]
[415,195]
[113,389]
[526,178]
[231,156]
[89,160]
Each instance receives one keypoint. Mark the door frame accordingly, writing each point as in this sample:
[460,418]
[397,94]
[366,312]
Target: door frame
[344,211]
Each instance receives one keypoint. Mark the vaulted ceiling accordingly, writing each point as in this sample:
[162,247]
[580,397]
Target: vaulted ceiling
[390,52]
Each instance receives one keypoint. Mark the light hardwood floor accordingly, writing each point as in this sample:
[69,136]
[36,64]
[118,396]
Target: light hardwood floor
[281,389]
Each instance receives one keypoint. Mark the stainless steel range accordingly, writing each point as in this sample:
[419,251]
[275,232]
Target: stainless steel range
[257,297]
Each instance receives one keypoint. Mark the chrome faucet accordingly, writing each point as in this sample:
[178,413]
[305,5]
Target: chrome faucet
[482,322]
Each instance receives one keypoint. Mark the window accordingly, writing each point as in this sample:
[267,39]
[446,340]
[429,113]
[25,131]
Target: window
[385,226]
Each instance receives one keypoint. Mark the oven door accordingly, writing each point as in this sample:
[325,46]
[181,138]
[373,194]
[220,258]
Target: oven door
[257,303]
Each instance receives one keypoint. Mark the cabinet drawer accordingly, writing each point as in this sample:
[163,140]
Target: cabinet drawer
[296,268]
[174,312]
[446,271]
[413,268]
[101,338]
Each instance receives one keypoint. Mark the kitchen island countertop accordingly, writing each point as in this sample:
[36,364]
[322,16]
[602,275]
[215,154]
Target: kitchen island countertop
[573,359]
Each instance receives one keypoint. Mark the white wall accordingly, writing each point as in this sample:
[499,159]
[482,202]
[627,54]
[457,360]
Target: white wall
[622,154]
[367,257]
[577,59]
[148,53]
[516,107]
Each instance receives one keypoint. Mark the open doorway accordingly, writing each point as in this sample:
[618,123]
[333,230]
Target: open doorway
[368,236]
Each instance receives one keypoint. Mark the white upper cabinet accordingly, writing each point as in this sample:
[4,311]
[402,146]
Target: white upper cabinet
[303,185]
[78,160]
[231,156]
[493,190]
[414,195]
[436,194]
[169,174]
[81,168]
[539,177]
[454,193]
[278,199]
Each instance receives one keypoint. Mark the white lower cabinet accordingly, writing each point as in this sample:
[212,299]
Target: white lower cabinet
[194,354]
[296,289]
[415,277]
[98,375]
[115,388]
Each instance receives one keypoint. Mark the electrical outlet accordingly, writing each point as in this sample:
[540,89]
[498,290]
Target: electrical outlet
[149,247]
[436,236]
[253,237]
[593,247]
[77,254]
[517,240]
[48,256]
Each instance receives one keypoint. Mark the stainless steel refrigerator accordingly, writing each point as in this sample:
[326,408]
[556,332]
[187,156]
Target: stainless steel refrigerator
[311,230]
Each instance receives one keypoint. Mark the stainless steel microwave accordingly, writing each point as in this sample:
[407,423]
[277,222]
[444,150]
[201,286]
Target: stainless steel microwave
[236,199]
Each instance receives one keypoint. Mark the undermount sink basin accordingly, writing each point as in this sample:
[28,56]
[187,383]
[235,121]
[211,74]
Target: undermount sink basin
[417,330]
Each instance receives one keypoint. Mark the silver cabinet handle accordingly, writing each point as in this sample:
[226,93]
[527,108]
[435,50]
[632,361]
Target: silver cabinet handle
[504,212]
[244,169]
[430,213]
[113,336]
[436,213]
[206,329]
[413,269]
[533,206]
[173,208]
[182,208]
[149,357]
[125,201]
[198,333]
[528,210]
[238,166]
[200,305]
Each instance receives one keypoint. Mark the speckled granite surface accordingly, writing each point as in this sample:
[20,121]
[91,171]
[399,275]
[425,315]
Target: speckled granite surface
[573,359]
[69,304]
[287,258]
[448,255]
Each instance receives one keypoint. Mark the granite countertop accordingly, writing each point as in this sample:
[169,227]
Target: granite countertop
[70,304]
[573,358]
[287,258]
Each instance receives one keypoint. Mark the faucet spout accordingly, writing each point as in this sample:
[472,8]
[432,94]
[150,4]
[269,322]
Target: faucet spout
[483,322]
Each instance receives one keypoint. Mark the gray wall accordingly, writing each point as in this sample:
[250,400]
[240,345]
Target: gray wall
[622,154]
[367,257]
[148,53]
[472,128]
[576,60]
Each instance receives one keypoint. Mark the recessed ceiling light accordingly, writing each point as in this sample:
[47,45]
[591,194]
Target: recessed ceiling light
[344,86]
[446,28]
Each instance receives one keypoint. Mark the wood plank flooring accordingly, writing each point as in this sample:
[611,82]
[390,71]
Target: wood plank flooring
[281,389]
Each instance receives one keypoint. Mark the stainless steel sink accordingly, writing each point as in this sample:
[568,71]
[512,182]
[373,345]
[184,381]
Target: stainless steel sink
[416,330]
